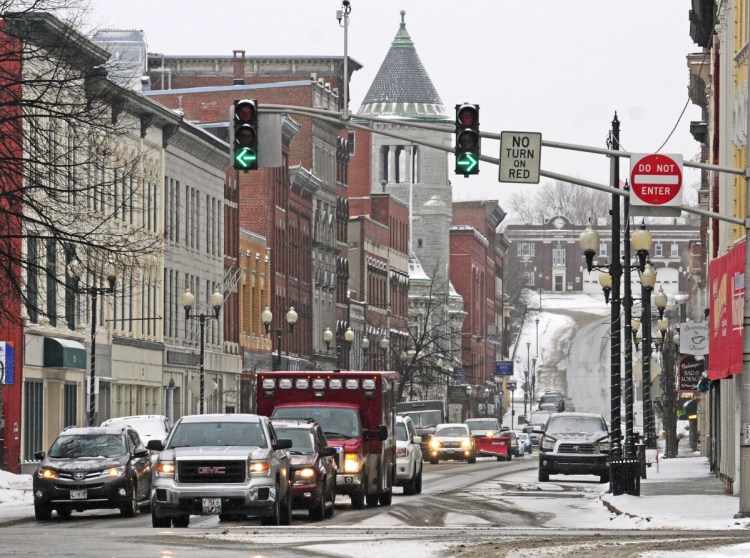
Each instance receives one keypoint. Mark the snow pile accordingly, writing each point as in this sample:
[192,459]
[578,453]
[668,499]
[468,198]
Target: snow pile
[15,490]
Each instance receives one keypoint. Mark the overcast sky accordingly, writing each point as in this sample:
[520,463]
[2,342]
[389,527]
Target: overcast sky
[561,68]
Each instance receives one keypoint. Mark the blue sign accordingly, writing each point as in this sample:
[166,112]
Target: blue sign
[503,368]
[6,363]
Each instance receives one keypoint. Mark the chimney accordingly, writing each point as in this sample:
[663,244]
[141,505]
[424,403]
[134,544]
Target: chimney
[238,63]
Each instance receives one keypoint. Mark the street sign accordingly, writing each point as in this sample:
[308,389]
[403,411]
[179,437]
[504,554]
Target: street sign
[655,183]
[503,368]
[520,156]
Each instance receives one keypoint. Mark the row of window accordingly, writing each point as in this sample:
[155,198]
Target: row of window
[183,217]
[526,249]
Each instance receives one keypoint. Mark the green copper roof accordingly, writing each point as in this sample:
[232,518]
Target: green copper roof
[402,88]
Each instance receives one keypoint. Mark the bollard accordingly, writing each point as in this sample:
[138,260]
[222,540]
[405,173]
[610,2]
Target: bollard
[641,449]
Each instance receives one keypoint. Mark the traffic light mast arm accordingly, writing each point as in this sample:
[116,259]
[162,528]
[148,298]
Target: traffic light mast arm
[335,118]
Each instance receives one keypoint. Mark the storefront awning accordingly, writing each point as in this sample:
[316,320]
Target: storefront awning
[64,353]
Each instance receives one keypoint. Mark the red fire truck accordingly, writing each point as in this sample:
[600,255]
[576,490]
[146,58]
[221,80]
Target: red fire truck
[357,411]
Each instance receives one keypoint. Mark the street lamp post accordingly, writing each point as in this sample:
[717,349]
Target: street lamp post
[533,379]
[76,270]
[511,385]
[365,348]
[217,301]
[291,318]
[348,338]
[384,344]
[528,372]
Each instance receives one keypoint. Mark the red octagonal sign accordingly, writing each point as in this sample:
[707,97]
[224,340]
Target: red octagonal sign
[656,179]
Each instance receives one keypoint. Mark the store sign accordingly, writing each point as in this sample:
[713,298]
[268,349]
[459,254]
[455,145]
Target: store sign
[690,371]
[694,338]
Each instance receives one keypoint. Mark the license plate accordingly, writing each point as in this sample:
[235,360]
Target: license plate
[77,494]
[211,506]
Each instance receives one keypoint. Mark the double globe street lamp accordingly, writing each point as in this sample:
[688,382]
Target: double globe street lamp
[348,338]
[188,301]
[291,319]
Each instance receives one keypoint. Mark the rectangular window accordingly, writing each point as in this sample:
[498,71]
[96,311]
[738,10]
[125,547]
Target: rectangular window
[70,404]
[603,249]
[525,248]
[52,281]
[350,143]
[528,278]
[674,250]
[558,255]
[658,250]
[32,418]
[32,285]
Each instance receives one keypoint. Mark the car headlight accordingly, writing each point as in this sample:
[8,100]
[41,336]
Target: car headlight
[604,446]
[304,475]
[47,473]
[351,463]
[113,472]
[401,452]
[165,469]
[490,434]
[548,444]
[466,444]
[435,443]
[259,468]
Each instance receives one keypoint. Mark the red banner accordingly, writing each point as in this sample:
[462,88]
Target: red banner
[727,278]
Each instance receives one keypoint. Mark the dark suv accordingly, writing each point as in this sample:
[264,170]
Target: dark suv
[90,468]
[313,466]
[552,401]
[574,444]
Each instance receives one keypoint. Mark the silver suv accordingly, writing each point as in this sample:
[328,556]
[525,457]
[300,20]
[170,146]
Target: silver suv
[574,444]
[225,465]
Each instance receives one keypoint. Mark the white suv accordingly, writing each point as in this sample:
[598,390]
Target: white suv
[408,456]
[149,427]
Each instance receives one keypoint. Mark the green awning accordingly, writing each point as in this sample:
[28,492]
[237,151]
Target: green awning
[64,353]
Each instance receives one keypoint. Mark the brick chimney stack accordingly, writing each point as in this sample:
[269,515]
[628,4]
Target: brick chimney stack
[238,63]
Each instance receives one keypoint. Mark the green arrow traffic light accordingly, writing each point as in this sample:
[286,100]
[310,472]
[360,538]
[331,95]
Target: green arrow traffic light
[245,157]
[468,162]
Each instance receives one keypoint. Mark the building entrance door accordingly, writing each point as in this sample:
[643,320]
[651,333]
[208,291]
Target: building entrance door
[558,286]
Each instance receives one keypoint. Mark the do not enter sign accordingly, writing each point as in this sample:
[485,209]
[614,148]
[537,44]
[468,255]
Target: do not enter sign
[656,180]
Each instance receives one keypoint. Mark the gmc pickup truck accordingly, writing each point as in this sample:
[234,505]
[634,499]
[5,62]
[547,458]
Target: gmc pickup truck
[227,465]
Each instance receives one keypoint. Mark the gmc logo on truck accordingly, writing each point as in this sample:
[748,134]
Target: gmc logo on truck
[211,470]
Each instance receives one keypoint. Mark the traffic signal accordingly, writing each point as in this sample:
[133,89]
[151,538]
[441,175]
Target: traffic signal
[467,139]
[245,150]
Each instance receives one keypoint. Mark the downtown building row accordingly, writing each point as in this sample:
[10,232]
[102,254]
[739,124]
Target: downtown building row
[326,233]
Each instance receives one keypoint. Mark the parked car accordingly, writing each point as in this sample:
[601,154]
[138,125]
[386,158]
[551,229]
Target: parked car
[525,442]
[313,466]
[516,450]
[533,429]
[552,401]
[149,427]
[408,456]
[452,441]
[228,465]
[574,444]
[92,468]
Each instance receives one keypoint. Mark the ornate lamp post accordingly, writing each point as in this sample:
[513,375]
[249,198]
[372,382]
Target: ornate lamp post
[217,301]
[384,344]
[365,348]
[348,337]
[291,319]
[76,269]
[648,280]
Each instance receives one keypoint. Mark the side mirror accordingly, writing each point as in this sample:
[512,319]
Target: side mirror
[381,433]
[282,443]
[39,455]
[327,451]
[155,445]
[417,439]
[140,452]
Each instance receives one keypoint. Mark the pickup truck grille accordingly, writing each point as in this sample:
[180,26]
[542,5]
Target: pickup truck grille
[577,448]
[211,472]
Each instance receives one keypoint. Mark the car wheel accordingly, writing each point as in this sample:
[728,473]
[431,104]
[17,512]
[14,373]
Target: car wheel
[159,521]
[131,507]
[42,513]
[64,513]
[372,500]
[318,511]
[286,507]
[418,483]
[543,475]
[471,459]
[500,458]
[181,521]
[411,486]
[275,517]
[358,498]
[332,499]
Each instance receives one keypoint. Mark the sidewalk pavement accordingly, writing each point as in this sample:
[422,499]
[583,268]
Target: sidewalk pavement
[680,493]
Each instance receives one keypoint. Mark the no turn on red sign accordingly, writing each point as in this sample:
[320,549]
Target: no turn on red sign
[656,181]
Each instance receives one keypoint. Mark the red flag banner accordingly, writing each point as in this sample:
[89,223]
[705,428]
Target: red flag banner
[727,284]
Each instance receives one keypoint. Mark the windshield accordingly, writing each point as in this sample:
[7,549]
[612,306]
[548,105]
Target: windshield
[550,399]
[482,424]
[187,434]
[451,431]
[88,445]
[567,424]
[302,439]
[401,434]
[424,419]
[337,422]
